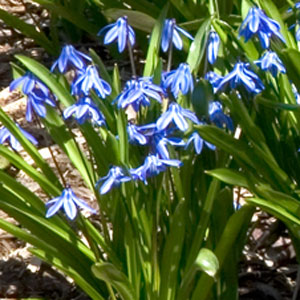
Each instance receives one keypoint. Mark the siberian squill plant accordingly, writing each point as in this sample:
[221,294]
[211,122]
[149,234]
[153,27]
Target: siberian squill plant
[163,153]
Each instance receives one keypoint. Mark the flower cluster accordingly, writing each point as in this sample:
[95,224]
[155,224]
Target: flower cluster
[173,128]
[86,80]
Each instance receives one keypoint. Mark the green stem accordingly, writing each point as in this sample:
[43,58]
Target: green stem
[130,51]
[111,292]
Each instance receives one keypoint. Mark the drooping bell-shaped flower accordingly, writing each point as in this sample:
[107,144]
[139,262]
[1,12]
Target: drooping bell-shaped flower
[213,47]
[69,202]
[152,166]
[6,136]
[177,80]
[176,115]
[258,23]
[70,58]
[88,79]
[115,177]
[119,31]
[85,109]
[198,143]
[171,34]
[241,76]
[138,92]
[271,62]
[218,117]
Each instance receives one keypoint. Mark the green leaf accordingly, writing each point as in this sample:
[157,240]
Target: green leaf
[198,46]
[290,58]
[110,274]
[48,78]
[79,278]
[136,19]
[30,148]
[201,96]
[229,176]
[278,210]
[123,137]
[276,105]
[207,262]
[19,162]
[154,46]
[116,84]
[172,252]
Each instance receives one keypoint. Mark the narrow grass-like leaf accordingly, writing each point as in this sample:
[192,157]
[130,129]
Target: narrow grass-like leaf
[30,149]
[123,138]
[172,252]
[229,176]
[276,209]
[19,162]
[79,278]
[198,47]
[154,46]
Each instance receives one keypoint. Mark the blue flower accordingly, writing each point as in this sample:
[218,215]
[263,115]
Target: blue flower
[297,6]
[177,80]
[177,115]
[88,79]
[37,95]
[298,34]
[296,94]
[158,140]
[214,79]
[36,101]
[135,135]
[152,166]
[271,62]
[114,178]
[5,135]
[242,76]
[217,116]
[198,142]
[120,31]
[170,34]
[69,58]
[213,47]
[69,201]
[29,83]
[85,109]
[258,23]
[138,92]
